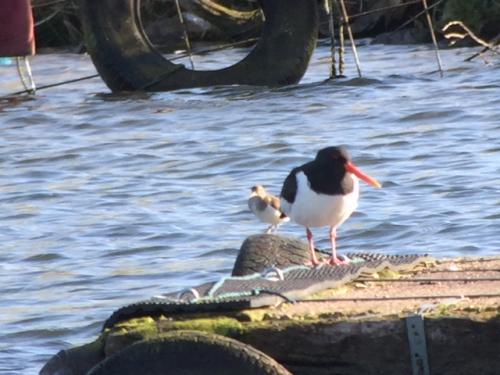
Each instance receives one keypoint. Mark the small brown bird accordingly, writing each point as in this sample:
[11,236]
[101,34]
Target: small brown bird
[267,208]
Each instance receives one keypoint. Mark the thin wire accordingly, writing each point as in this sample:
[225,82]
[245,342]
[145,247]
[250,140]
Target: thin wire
[54,85]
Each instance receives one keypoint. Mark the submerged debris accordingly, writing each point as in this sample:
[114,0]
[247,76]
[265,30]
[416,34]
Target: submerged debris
[388,21]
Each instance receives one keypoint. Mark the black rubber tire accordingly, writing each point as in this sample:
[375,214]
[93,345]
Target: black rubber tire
[127,61]
[262,251]
[189,353]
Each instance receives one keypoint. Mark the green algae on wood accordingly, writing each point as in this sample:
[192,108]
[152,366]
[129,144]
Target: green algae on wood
[220,325]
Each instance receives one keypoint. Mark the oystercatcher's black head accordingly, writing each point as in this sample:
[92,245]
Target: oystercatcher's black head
[333,156]
[327,172]
[337,161]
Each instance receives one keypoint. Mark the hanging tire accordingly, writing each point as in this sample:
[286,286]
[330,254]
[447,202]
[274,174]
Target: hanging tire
[189,352]
[127,61]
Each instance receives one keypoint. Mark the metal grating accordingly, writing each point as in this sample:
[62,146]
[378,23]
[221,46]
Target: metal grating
[236,293]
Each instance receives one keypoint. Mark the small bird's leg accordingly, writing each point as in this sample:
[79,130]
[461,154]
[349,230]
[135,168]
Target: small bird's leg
[334,260]
[270,229]
[314,260]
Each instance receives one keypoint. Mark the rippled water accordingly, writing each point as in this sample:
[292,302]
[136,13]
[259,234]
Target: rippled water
[109,199]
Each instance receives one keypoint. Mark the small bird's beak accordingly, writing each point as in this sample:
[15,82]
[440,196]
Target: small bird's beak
[350,167]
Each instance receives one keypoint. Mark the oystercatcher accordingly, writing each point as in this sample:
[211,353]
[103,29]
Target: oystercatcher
[323,192]
[266,207]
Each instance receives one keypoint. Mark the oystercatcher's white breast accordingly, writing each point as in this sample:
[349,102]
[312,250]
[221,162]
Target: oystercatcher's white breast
[311,209]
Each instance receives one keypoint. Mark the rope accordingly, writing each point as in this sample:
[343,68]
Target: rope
[222,280]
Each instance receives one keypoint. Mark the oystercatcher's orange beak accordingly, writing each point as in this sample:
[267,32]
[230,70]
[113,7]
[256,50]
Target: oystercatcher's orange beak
[350,167]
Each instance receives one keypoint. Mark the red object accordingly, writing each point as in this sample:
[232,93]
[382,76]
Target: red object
[17,35]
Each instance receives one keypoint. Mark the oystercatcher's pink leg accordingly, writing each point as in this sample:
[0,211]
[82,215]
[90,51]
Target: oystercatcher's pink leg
[314,260]
[334,261]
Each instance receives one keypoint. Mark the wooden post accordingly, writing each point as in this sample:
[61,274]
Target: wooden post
[331,27]
[341,41]
[433,35]
[351,38]
[184,29]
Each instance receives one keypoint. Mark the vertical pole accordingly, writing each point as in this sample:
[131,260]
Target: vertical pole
[331,27]
[184,29]
[349,32]
[433,35]
[341,41]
